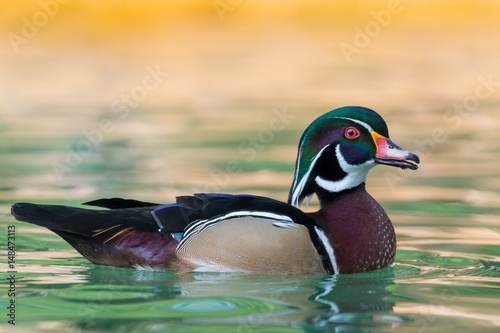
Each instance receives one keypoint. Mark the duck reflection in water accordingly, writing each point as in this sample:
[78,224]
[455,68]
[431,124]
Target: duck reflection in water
[251,300]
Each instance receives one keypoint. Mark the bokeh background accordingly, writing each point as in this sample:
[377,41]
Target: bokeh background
[224,67]
[153,99]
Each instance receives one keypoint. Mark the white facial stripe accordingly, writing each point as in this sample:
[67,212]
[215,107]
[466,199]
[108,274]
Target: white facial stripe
[328,247]
[302,184]
[356,174]
[362,123]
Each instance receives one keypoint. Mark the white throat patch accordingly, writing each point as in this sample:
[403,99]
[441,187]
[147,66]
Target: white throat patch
[356,174]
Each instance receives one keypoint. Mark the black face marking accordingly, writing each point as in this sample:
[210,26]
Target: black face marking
[327,166]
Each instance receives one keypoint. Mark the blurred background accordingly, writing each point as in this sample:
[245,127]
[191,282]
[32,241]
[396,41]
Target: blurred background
[83,114]
[153,99]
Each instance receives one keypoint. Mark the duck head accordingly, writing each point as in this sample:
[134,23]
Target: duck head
[339,148]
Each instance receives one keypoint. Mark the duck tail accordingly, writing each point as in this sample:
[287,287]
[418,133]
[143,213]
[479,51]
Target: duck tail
[123,237]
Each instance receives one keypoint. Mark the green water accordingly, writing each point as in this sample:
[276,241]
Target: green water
[445,279]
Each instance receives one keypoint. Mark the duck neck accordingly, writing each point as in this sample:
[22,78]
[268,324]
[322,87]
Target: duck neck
[327,198]
[357,228]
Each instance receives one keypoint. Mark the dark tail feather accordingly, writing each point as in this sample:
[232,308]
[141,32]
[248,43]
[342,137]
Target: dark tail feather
[27,212]
[48,216]
[118,237]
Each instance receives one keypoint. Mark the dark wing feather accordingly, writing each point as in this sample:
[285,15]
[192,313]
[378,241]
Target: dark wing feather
[115,203]
[176,217]
[173,218]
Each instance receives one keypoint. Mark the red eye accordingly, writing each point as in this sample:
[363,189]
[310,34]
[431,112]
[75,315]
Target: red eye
[352,133]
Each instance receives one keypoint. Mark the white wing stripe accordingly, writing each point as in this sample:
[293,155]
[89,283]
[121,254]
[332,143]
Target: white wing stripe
[198,226]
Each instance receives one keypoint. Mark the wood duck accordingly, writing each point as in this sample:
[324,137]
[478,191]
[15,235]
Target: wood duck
[350,232]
